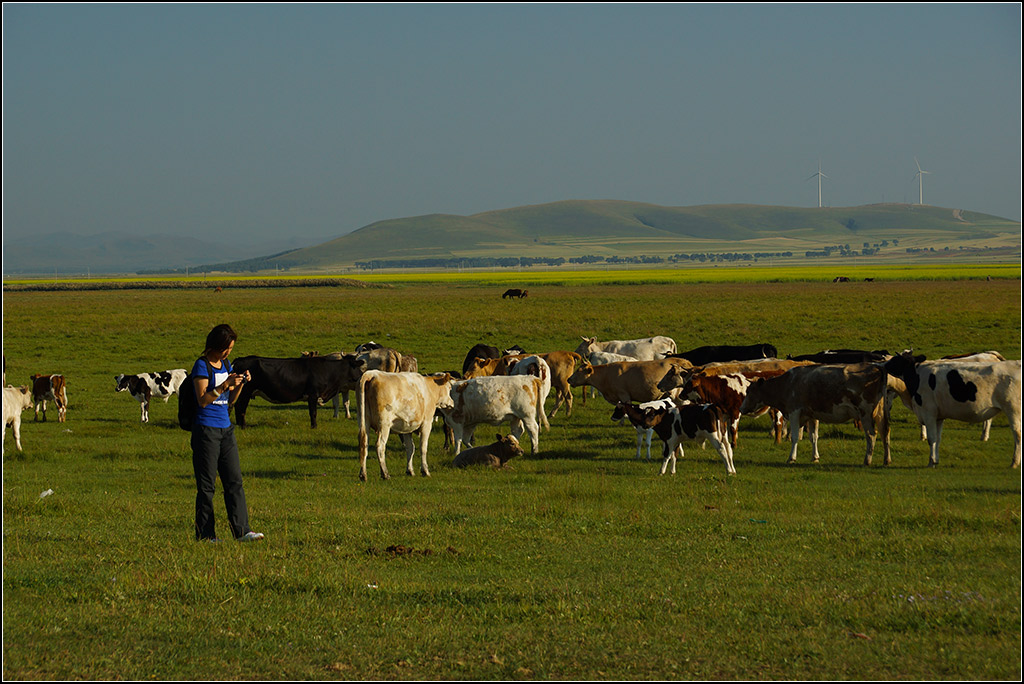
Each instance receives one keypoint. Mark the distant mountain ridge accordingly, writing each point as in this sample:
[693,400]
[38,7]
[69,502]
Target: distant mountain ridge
[620,228]
[570,228]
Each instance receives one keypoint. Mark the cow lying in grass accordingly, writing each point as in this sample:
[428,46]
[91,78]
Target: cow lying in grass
[496,454]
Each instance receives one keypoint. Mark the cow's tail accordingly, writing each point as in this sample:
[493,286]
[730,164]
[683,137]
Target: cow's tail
[363,439]
[542,417]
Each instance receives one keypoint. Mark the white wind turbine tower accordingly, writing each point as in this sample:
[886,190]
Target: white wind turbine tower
[920,181]
[820,175]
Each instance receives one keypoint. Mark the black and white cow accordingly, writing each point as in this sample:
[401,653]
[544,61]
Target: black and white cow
[958,390]
[313,379]
[681,423]
[145,386]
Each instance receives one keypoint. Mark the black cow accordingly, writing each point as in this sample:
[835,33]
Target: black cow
[283,381]
[852,356]
[724,352]
[514,292]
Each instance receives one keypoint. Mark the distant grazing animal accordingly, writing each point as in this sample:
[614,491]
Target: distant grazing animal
[646,349]
[403,403]
[496,454]
[494,400]
[958,390]
[16,400]
[313,379]
[146,386]
[723,352]
[681,423]
[52,388]
[807,395]
[626,381]
[514,293]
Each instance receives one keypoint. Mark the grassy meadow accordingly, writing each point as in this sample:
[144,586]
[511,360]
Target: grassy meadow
[579,563]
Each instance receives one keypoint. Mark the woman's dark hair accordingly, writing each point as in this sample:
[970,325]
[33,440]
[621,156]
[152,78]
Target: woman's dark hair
[220,338]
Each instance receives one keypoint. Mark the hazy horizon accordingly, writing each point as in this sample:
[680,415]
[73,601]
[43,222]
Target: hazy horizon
[262,122]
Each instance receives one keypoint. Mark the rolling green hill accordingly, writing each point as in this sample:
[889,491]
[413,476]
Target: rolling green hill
[617,228]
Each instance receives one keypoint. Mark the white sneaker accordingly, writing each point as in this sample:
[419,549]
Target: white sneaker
[251,536]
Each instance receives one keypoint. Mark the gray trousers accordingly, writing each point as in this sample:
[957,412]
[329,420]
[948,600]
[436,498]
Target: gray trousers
[215,452]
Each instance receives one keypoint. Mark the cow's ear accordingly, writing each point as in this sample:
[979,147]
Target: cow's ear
[918,359]
[500,438]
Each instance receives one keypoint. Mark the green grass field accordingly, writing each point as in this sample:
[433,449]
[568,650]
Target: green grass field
[581,563]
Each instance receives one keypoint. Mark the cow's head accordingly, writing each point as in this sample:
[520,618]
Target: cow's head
[675,377]
[581,375]
[480,367]
[903,364]
[444,393]
[754,402]
[120,383]
[508,447]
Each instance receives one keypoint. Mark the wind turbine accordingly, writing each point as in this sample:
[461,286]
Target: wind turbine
[820,175]
[920,181]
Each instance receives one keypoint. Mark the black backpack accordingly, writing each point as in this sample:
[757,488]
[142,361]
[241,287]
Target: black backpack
[188,405]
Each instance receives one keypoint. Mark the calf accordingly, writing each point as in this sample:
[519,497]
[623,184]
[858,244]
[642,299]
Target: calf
[959,390]
[403,403]
[645,349]
[53,388]
[145,386]
[16,400]
[494,400]
[641,430]
[829,394]
[283,381]
[711,354]
[496,454]
[677,424]
[626,381]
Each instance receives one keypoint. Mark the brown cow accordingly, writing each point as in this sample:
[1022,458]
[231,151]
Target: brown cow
[626,381]
[830,394]
[53,388]
[496,454]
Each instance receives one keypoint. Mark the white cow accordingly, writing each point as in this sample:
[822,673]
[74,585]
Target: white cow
[646,349]
[403,403]
[493,400]
[16,400]
[538,368]
[958,390]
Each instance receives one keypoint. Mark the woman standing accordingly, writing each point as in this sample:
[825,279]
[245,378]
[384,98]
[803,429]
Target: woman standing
[214,449]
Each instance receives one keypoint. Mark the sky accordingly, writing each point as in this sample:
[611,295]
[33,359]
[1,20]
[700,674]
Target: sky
[253,122]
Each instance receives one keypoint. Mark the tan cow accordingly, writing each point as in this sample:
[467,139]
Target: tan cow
[403,403]
[626,381]
[839,393]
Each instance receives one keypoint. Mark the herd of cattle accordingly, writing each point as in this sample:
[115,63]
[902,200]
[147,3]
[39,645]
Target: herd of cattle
[695,396]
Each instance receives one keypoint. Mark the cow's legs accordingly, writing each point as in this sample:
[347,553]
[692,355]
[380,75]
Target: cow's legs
[533,428]
[382,445]
[723,449]
[313,405]
[795,431]
[145,411]
[410,449]
[1015,427]
[424,439]
[934,430]
[986,427]
[668,453]
[812,430]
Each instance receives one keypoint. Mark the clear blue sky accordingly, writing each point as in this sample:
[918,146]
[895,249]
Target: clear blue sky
[253,121]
